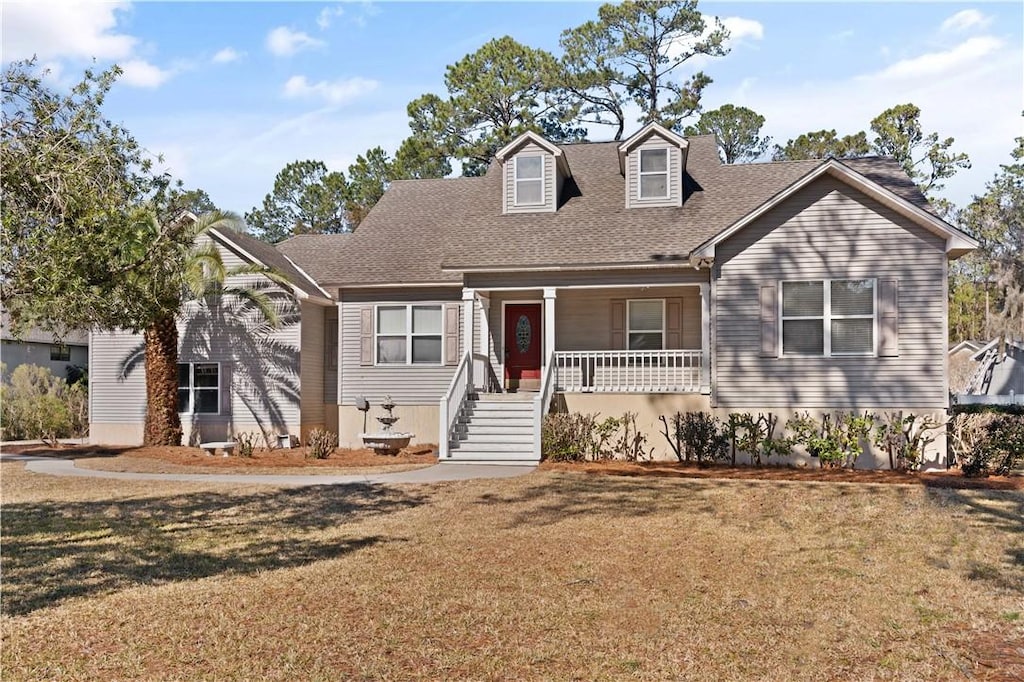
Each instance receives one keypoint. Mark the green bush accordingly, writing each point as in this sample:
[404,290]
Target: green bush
[696,436]
[245,442]
[321,443]
[904,438]
[570,437]
[986,443]
[37,405]
[836,440]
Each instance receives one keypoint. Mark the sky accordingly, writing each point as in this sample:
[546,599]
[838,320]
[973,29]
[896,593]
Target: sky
[228,93]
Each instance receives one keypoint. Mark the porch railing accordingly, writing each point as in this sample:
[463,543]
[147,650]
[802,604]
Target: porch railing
[451,403]
[542,402]
[628,371]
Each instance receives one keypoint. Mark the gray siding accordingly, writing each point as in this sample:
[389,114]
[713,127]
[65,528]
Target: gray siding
[828,230]
[406,384]
[15,353]
[311,365]
[551,182]
[675,174]
[260,369]
[1008,375]
[331,356]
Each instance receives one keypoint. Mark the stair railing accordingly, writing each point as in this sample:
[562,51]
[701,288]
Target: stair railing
[452,402]
[542,402]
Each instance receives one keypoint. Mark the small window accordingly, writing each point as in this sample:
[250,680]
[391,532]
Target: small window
[409,335]
[60,352]
[653,173]
[828,318]
[331,344]
[529,180]
[646,321]
[199,388]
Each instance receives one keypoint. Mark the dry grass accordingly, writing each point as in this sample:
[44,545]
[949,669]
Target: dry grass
[549,576]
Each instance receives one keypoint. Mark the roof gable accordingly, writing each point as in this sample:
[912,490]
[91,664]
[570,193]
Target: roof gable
[650,130]
[957,242]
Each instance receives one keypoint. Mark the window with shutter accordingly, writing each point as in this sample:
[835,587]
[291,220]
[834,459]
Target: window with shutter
[646,324]
[828,317]
[408,335]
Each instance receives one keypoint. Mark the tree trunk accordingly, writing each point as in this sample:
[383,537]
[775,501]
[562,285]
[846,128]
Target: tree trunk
[163,425]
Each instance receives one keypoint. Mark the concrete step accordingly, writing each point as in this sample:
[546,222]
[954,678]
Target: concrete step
[487,437]
[497,448]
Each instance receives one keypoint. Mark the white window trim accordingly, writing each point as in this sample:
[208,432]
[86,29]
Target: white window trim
[409,334]
[640,174]
[192,387]
[826,318]
[516,179]
[630,331]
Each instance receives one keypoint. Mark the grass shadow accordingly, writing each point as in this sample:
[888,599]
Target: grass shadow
[57,550]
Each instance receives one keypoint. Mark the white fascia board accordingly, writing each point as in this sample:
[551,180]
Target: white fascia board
[299,293]
[650,129]
[957,242]
[528,136]
[312,281]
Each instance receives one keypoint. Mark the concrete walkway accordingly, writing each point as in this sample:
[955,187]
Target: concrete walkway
[435,474]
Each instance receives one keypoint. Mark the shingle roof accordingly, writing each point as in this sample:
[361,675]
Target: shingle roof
[426,230]
[271,257]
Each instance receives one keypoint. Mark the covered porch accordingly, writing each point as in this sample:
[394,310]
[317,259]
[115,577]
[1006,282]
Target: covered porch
[591,338]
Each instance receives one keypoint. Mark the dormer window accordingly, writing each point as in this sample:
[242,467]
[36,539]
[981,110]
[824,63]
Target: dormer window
[529,180]
[653,176]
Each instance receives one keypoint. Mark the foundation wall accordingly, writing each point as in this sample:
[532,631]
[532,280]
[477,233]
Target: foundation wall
[421,420]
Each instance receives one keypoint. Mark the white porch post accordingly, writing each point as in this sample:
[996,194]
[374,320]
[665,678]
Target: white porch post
[549,322]
[705,338]
[485,340]
[337,399]
[468,301]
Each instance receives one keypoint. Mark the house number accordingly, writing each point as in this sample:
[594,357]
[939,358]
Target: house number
[523,334]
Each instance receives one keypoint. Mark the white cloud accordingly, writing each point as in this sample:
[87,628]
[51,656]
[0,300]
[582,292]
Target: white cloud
[937,63]
[336,92]
[227,55]
[283,41]
[327,16]
[141,74]
[741,29]
[964,21]
[50,30]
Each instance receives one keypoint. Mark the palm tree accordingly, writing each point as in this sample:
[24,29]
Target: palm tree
[188,269]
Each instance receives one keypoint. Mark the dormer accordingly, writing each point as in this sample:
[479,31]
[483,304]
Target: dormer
[533,171]
[652,162]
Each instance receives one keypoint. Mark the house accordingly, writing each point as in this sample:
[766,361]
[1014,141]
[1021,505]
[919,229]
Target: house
[641,276]
[235,373]
[997,375]
[36,347]
[962,366]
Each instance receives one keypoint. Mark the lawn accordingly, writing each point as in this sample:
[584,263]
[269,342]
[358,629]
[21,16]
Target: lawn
[550,576]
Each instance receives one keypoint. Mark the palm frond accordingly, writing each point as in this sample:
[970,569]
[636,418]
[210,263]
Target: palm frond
[257,299]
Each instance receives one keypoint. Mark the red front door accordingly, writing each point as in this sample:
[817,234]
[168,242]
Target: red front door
[523,339]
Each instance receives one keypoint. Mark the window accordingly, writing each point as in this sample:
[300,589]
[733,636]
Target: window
[529,180]
[829,317]
[646,322]
[653,173]
[409,334]
[199,387]
[60,352]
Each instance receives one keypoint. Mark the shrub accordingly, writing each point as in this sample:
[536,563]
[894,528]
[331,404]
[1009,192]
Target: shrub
[904,438]
[321,443]
[756,437]
[631,442]
[36,404]
[987,442]
[245,442]
[569,437]
[696,436]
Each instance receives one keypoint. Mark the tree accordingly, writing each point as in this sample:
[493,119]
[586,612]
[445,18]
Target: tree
[72,183]
[494,95]
[996,219]
[822,144]
[307,198]
[737,130]
[368,177]
[418,157]
[651,39]
[586,73]
[925,158]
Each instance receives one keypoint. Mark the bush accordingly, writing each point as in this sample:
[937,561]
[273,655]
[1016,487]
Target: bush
[904,438]
[986,443]
[836,440]
[567,437]
[36,404]
[321,443]
[696,436]
[756,437]
[245,442]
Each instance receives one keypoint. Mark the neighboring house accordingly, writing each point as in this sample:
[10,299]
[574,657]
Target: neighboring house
[235,373]
[641,276]
[998,374]
[36,347]
[962,365]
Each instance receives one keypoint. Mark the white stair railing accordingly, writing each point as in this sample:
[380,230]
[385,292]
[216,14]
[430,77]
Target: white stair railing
[977,382]
[542,402]
[629,371]
[452,402]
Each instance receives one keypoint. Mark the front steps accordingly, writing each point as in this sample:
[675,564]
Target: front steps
[495,428]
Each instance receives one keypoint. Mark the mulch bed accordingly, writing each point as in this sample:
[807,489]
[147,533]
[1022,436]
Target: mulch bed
[939,479]
[293,458]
